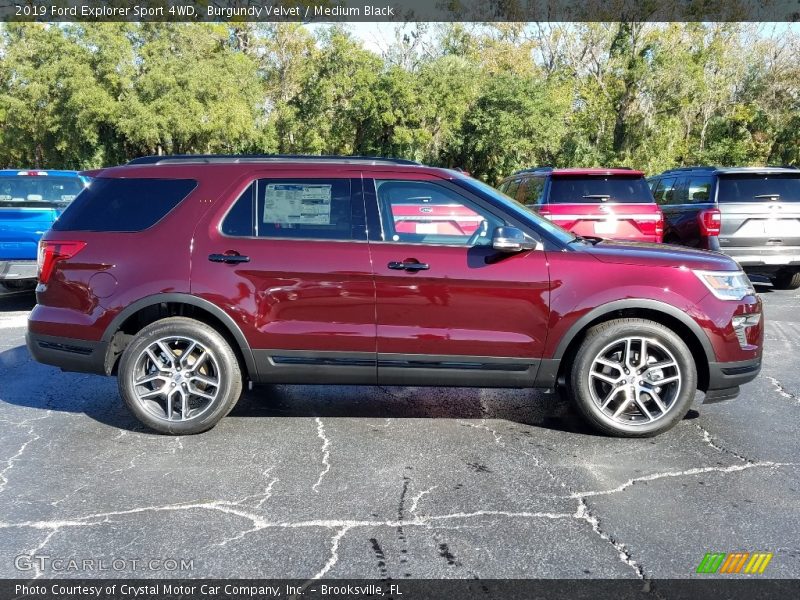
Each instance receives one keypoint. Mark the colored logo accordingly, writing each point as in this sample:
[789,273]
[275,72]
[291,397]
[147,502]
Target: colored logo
[737,562]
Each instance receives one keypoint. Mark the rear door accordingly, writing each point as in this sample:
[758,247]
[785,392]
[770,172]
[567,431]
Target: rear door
[289,261]
[760,210]
[447,312]
[608,206]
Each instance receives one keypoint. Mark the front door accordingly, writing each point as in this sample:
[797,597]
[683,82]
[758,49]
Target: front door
[450,310]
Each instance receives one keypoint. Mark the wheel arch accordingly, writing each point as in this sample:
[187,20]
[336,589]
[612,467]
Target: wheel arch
[159,306]
[665,314]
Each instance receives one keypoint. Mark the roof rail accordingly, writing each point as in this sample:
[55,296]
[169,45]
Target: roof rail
[265,158]
[697,168]
[533,170]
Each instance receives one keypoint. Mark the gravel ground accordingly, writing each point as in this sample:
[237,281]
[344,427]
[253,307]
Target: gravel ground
[307,481]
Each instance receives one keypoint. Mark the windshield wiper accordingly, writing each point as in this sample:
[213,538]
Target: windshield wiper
[602,197]
[770,196]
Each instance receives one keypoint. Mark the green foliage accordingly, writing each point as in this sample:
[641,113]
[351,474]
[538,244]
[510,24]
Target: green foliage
[491,98]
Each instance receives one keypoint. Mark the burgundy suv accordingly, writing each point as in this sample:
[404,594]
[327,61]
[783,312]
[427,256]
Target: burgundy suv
[608,203]
[188,276]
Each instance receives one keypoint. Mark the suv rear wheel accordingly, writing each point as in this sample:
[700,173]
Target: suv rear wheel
[633,378]
[179,376]
[786,280]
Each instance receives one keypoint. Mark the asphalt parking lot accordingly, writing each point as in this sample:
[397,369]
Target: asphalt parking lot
[305,481]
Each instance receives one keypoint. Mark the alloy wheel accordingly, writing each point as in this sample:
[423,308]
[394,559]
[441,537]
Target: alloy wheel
[635,380]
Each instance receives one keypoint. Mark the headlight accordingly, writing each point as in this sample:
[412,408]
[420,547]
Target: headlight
[727,285]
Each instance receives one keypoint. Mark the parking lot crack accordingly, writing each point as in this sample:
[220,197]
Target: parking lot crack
[326,465]
[585,514]
[684,473]
[334,552]
[782,390]
[12,460]
[415,500]
[713,443]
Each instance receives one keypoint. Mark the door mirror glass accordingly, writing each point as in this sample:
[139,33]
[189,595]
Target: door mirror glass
[511,239]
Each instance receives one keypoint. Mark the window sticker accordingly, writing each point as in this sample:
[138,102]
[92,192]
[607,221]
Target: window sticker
[297,204]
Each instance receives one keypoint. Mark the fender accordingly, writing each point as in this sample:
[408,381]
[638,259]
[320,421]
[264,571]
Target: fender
[181,298]
[654,305]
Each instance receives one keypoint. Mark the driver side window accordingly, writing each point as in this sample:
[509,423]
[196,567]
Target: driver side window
[422,212]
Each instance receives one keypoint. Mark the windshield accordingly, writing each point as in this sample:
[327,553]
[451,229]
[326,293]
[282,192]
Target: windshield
[519,210]
[756,188]
[39,190]
[596,189]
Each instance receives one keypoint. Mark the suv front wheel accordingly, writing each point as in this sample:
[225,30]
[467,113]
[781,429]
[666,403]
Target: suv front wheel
[179,376]
[633,378]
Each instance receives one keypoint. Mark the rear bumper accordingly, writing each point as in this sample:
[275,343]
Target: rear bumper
[765,256]
[81,356]
[15,270]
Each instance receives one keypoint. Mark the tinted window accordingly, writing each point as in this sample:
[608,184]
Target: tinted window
[757,188]
[239,220]
[570,190]
[428,213]
[698,190]
[512,188]
[111,204]
[503,186]
[531,191]
[665,191]
[38,190]
[304,209]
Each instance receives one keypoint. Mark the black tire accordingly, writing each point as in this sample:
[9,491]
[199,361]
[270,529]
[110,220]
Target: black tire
[786,280]
[604,336]
[224,366]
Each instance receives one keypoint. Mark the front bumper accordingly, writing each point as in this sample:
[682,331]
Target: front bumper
[17,270]
[80,356]
[725,378]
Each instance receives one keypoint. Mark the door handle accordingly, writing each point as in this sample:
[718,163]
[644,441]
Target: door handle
[231,258]
[408,266]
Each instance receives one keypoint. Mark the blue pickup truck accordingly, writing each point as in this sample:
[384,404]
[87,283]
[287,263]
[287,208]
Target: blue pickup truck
[30,201]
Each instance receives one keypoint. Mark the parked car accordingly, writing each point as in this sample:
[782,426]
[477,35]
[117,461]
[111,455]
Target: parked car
[188,276]
[608,203]
[30,200]
[751,214]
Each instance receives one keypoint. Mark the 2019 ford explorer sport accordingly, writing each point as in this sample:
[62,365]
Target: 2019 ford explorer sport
[30,200]
[186,276]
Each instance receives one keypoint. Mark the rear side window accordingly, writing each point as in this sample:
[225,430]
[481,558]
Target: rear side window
[665,191]
[758,188]
[578,190]
[698,190]
[32,191]
[310,209]
[111,204]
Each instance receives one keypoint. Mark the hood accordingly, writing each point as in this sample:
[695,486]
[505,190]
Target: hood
[660,255]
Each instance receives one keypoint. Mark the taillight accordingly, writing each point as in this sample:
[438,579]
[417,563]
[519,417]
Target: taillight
[52,251]
[660,226]
[710,222]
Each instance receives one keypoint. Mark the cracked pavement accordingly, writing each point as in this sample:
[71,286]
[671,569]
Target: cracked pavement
[389,482]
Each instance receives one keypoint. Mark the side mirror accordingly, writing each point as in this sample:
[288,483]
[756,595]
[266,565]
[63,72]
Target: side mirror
[511,239]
